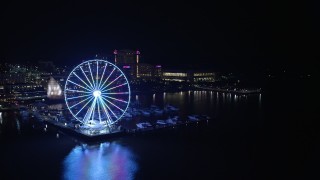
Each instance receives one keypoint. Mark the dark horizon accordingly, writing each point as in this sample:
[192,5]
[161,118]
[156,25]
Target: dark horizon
[224,36]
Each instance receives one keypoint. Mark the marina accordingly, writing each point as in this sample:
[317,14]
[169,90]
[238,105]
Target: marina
[172,139]
[136,120]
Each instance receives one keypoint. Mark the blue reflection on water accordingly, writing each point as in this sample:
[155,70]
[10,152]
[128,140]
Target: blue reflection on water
[101,161]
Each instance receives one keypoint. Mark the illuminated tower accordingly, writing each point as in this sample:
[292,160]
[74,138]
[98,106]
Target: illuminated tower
[137,65]
[128,60]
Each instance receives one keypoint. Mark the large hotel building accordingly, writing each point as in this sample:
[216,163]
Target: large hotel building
[129,62]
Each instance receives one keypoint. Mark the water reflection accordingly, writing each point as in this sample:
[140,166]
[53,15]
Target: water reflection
[259,100]
[1,118]
[18,126]
[153,98]
[101,161]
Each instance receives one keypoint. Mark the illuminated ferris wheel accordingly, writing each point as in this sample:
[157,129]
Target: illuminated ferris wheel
[97,93]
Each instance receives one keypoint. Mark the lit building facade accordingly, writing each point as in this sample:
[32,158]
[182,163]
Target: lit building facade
[17,74]
[126,57]
[188,76]
[129,62]
[22,92]
[20,82]
[175,75]
[201,76]
[145,70]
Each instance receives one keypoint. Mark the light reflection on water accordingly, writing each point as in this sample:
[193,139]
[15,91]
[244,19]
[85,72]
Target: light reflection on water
[0,117]
[101,161]
[198,102]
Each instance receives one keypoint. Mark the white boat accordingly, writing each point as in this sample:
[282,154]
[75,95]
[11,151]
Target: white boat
[139,125]
[145,113]
[148,124]
[128,115]
[204,117]
[158,112]
[171,121]
[135,112]
[161,122]
[193,118]
[171,108]
[143,125]
[175,118]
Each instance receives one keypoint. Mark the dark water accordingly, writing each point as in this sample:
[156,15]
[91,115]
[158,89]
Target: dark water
[268,136]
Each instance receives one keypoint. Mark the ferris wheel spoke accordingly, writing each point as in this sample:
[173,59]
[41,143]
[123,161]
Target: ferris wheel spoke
[97,74]
[86,77]
[106,108]
[120,100]
[104,70]
[104,103]
[91,75]
[80,102]
[93,108]
[116,93]
[84,106]
[79,85]
[78,91]
[107,77]
[76,97]
[99,110]
[105,111]
[82,81]
[114,87]
[111,82]
[89,112]
[113,104]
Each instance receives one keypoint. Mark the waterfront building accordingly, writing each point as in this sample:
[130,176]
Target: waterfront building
[20,82]
[157,71]
[25,91]
[129,62]
[15,74]
[145,71]
[175,75]
[188,76]
[126,57]
[203,76]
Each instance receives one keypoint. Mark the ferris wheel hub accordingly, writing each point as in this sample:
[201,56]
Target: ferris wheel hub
[96,93]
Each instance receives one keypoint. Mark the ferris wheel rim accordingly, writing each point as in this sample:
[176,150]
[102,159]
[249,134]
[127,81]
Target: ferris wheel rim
[106,63]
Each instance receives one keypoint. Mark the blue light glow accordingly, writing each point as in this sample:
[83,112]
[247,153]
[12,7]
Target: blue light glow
[97,91]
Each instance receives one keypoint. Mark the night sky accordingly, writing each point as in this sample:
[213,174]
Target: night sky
[226,35]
